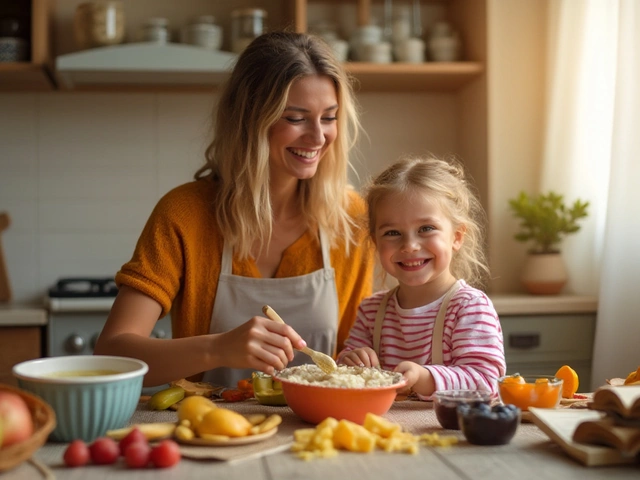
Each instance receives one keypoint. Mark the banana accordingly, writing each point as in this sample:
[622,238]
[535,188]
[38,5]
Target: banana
[165,398]
[184,433]
[270,422]
[151,431]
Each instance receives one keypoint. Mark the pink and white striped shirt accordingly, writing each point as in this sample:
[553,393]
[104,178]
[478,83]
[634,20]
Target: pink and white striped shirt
[472,350]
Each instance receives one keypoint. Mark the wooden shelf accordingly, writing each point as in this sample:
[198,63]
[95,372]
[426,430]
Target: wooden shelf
[400,77]
[39,73]
[24,77]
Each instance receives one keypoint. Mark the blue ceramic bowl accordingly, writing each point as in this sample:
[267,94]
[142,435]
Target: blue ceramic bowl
[89,393]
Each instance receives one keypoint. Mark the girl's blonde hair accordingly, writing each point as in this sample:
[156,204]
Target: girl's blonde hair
[237,159]
[445,182]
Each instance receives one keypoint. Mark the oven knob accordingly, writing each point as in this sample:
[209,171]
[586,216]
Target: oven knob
[74,344]
[158,334]
[94,340]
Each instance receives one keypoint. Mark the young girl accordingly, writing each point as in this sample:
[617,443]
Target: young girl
[434,327]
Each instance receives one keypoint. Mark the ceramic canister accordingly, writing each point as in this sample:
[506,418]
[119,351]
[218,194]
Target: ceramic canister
[410,50]
[155,29]
[364,35]
[376,52]
[203,32]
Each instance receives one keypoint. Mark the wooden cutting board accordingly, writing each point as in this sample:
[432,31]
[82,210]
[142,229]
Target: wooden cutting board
[5,286]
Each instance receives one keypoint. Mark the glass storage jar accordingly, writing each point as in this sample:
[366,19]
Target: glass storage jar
[99,24]
[246,24]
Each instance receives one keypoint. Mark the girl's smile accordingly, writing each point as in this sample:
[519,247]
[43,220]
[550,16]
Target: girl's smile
[413,265]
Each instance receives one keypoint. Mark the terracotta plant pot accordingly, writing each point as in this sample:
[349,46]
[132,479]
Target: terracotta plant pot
[544,274]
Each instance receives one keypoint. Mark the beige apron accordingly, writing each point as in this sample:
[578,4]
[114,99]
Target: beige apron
[438,328]
[309,303]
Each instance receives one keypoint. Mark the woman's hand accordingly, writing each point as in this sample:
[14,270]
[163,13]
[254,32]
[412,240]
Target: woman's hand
[361,357]
[259,344]
[419,379]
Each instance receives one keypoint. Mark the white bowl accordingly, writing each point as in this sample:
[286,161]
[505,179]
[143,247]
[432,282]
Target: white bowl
[86,406]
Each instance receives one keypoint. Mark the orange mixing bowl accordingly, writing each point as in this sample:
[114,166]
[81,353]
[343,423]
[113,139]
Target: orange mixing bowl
[314,403]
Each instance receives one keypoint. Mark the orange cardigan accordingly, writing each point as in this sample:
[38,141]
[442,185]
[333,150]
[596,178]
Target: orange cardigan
[177,261]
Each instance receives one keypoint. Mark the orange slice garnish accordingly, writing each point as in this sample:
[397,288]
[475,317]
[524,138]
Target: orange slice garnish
[570,381]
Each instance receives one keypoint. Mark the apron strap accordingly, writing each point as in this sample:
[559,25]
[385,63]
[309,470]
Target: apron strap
[436,342]
[377,328]
[438,328]
[227,258]
[324,245]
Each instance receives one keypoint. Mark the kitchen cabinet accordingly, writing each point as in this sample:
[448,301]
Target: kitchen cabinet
[33,74]
[540,344]
[18,344]
[21,338]
[542,333]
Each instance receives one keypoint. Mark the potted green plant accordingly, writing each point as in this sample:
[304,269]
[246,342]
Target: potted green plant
[545,220]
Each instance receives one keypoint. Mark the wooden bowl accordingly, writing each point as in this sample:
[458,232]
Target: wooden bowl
[44,421]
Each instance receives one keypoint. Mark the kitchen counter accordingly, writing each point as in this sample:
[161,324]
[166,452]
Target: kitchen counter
[522,304]
[505,304]
[530,455]
[22,316]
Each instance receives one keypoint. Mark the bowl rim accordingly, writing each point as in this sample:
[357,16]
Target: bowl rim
[553,380]
[18,370]
[453,393]
[393,386]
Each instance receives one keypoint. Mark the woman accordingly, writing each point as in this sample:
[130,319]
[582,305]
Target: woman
[270,219]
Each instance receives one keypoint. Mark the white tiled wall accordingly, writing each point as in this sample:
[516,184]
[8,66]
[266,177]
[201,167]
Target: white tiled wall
[80,173]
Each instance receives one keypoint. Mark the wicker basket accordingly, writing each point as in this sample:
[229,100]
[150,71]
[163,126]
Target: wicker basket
[44,421]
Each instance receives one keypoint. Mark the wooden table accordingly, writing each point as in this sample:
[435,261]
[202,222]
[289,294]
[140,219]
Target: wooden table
[530,455]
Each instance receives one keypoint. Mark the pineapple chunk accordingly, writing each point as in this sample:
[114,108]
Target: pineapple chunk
[353,437]
[380,426]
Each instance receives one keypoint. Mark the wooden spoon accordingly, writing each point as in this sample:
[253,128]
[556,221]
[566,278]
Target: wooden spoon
[322,360]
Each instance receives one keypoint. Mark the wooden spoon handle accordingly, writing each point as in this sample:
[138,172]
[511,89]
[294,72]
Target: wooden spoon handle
[271,313]
[324,361]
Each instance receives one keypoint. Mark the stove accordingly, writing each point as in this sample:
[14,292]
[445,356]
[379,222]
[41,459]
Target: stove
[82,294]
[78,308]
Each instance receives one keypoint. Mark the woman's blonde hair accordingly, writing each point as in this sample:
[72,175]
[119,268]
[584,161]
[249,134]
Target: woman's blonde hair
[445,182]
[252,100]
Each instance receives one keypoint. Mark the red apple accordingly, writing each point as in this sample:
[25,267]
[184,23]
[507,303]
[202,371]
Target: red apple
[17,424]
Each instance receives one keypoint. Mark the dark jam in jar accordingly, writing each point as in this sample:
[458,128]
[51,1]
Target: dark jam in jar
[485,425]
[447,401]
[447,414]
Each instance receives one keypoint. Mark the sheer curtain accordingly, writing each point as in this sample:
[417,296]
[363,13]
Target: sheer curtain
[592,152]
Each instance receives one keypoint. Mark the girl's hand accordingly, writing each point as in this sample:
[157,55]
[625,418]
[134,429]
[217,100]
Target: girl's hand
[259,344]
[419,379]
[361,357]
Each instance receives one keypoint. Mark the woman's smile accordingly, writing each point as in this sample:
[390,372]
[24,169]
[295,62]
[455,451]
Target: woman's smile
[306,156]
